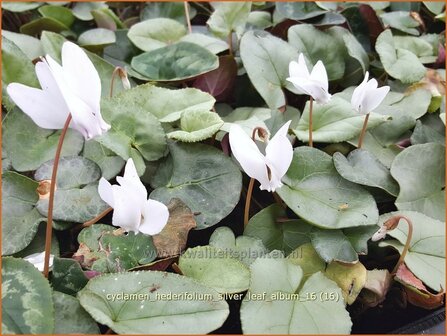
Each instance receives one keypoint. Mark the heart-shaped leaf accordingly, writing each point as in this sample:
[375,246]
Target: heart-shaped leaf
[299,10]
[71,317]
[398,63]
[266,68]
[229,17]
[67,276]
[272,304]
[133,127]
[328,50]
[109,163]
[244,248]
[197,174]
[197,126]
[37,145]
[27,305]
[342,204]
[176,62]
[142,311]
[419,170]
[401,20]
[29,45]
[96,39]
[62,14]
[335,121]
[426,255]
[363,168]
[156,33]
[20,218]
[215,268]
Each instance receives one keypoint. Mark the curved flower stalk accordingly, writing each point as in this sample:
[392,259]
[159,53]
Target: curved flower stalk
[70,97]
[365,98]
[38,260]
[390,225]
[71,88]
[133,211]
[314,83]
[268,169]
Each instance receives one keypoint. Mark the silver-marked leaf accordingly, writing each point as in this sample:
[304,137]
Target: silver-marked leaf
[133,127]
[67,276]
[71,317]
[20,218]
[147,312]
[335,121]
[27,305]
[401,20]
[363,168]
[109,163]
[284,310]
[215,268]
[229,17]
[175,62]
[420,172]
[197,126]
[267,68]
[195,173]
[73,172]
[398,63]
[75,205]
[328,50]
[244,248]
[318,194]
[426,255]
[156,33]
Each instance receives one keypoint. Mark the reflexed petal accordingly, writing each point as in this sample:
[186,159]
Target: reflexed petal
[248,155]
[131,178]
[317,92]
[279,153]
[38,105]
[155,217]
[105,191]
[51,87]
[319,75]
[81,75]
[358,95]
[374,98]
[303,66]
[38,260]
[126,210]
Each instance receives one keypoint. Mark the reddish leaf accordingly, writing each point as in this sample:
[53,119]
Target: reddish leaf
[171,241]
[375,27]
[417,293]
[220,82]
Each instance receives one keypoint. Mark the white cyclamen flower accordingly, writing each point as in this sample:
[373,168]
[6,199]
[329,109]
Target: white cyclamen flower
[367,96]
[132,211]
[268,169]
[38,260]
[74,87]
[314,84]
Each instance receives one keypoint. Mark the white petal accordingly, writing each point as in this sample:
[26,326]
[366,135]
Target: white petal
[38,105]
[303,66]
[319,75]
[105,191]
[81,75]
[358,95]
[132,179]
[297,83]
[314,89]
[155,217]
[49,85]
[38,260]
[126,210]
[85,119]
[279,154]
[248,155]
[374,98]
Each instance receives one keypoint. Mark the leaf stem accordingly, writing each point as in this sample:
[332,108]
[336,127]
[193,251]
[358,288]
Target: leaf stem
[247,201]
[311,105]
[188,20]
[362,134]
[407,243]
[97,218]
[49,230]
